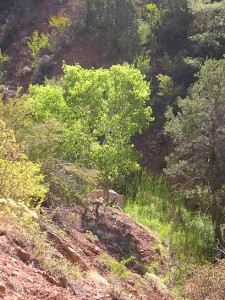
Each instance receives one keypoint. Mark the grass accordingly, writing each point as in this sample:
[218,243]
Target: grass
[189,235]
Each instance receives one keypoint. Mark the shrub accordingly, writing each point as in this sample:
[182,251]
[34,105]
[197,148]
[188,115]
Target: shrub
[20,179]
[41,69]
[62,33]
[60,22]
[36,43]
[118,268]
[207,282]
[68,182]
[3,58]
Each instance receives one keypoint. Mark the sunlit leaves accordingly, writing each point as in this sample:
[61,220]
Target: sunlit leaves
[100,110]
[35,44]
[60,22]
[20,179]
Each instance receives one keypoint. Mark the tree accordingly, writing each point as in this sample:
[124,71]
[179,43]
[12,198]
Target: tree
[20,179]
[171,28]
[198,131]
[115,22]
[35,44]
[100,111]
[207,28]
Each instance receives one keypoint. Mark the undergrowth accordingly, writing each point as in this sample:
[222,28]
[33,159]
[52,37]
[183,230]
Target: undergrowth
[188,236]
[118,268]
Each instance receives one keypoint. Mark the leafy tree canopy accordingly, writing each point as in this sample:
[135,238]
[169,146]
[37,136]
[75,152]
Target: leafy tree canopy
[100,111]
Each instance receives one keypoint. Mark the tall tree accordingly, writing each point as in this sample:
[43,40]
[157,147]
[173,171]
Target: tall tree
[100,110]
[115,22]
[198,131]
[207,28]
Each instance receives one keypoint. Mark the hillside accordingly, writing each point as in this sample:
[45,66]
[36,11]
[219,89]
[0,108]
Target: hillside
[27,271]
[98,96]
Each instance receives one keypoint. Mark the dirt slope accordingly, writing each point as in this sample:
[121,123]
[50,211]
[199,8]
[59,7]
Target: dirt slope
[113,233]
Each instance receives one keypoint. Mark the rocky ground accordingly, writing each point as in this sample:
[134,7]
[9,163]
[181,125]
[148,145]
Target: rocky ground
[91,243]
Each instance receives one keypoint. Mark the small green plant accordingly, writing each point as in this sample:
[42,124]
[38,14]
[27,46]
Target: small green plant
[17,210]
[60,22]
[3,59]
[118,268]
[91,237]
[36,43]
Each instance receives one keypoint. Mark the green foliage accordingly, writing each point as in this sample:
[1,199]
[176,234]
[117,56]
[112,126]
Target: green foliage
[118,268]
[60,22]
[16,114]
[20,179]
[3,58]
[198,129]
[190,236]
[175,18]
[152,13]
[41,68]
[17,210]
[145,34]
[99,110]
[36,43]
[116,23]
[167,93]
[142,63]
[151,19]
[62,34]
[197,161]
[68,182]
[206,30]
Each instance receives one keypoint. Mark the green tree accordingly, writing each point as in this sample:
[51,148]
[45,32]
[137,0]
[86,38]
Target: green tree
[207,28]
[169,21]
[36,43]
[197,161]
[115,22]
[100,111]
[20,179]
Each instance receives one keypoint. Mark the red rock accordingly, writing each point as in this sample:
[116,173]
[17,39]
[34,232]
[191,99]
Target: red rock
[2,289]
[23,255]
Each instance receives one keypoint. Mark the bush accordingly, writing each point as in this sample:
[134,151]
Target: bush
[3,58]
[36,43]
[20,179]
[41,69]
[68,182]
[62,33]
[207,282]
[118,268]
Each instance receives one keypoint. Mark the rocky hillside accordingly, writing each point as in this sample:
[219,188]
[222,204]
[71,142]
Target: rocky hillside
[20,21]
[111,253]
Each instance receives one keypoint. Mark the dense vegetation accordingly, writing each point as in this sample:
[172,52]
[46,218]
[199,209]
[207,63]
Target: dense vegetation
[89,117]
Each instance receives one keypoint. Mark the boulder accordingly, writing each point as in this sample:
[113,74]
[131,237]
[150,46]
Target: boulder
[113,197]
